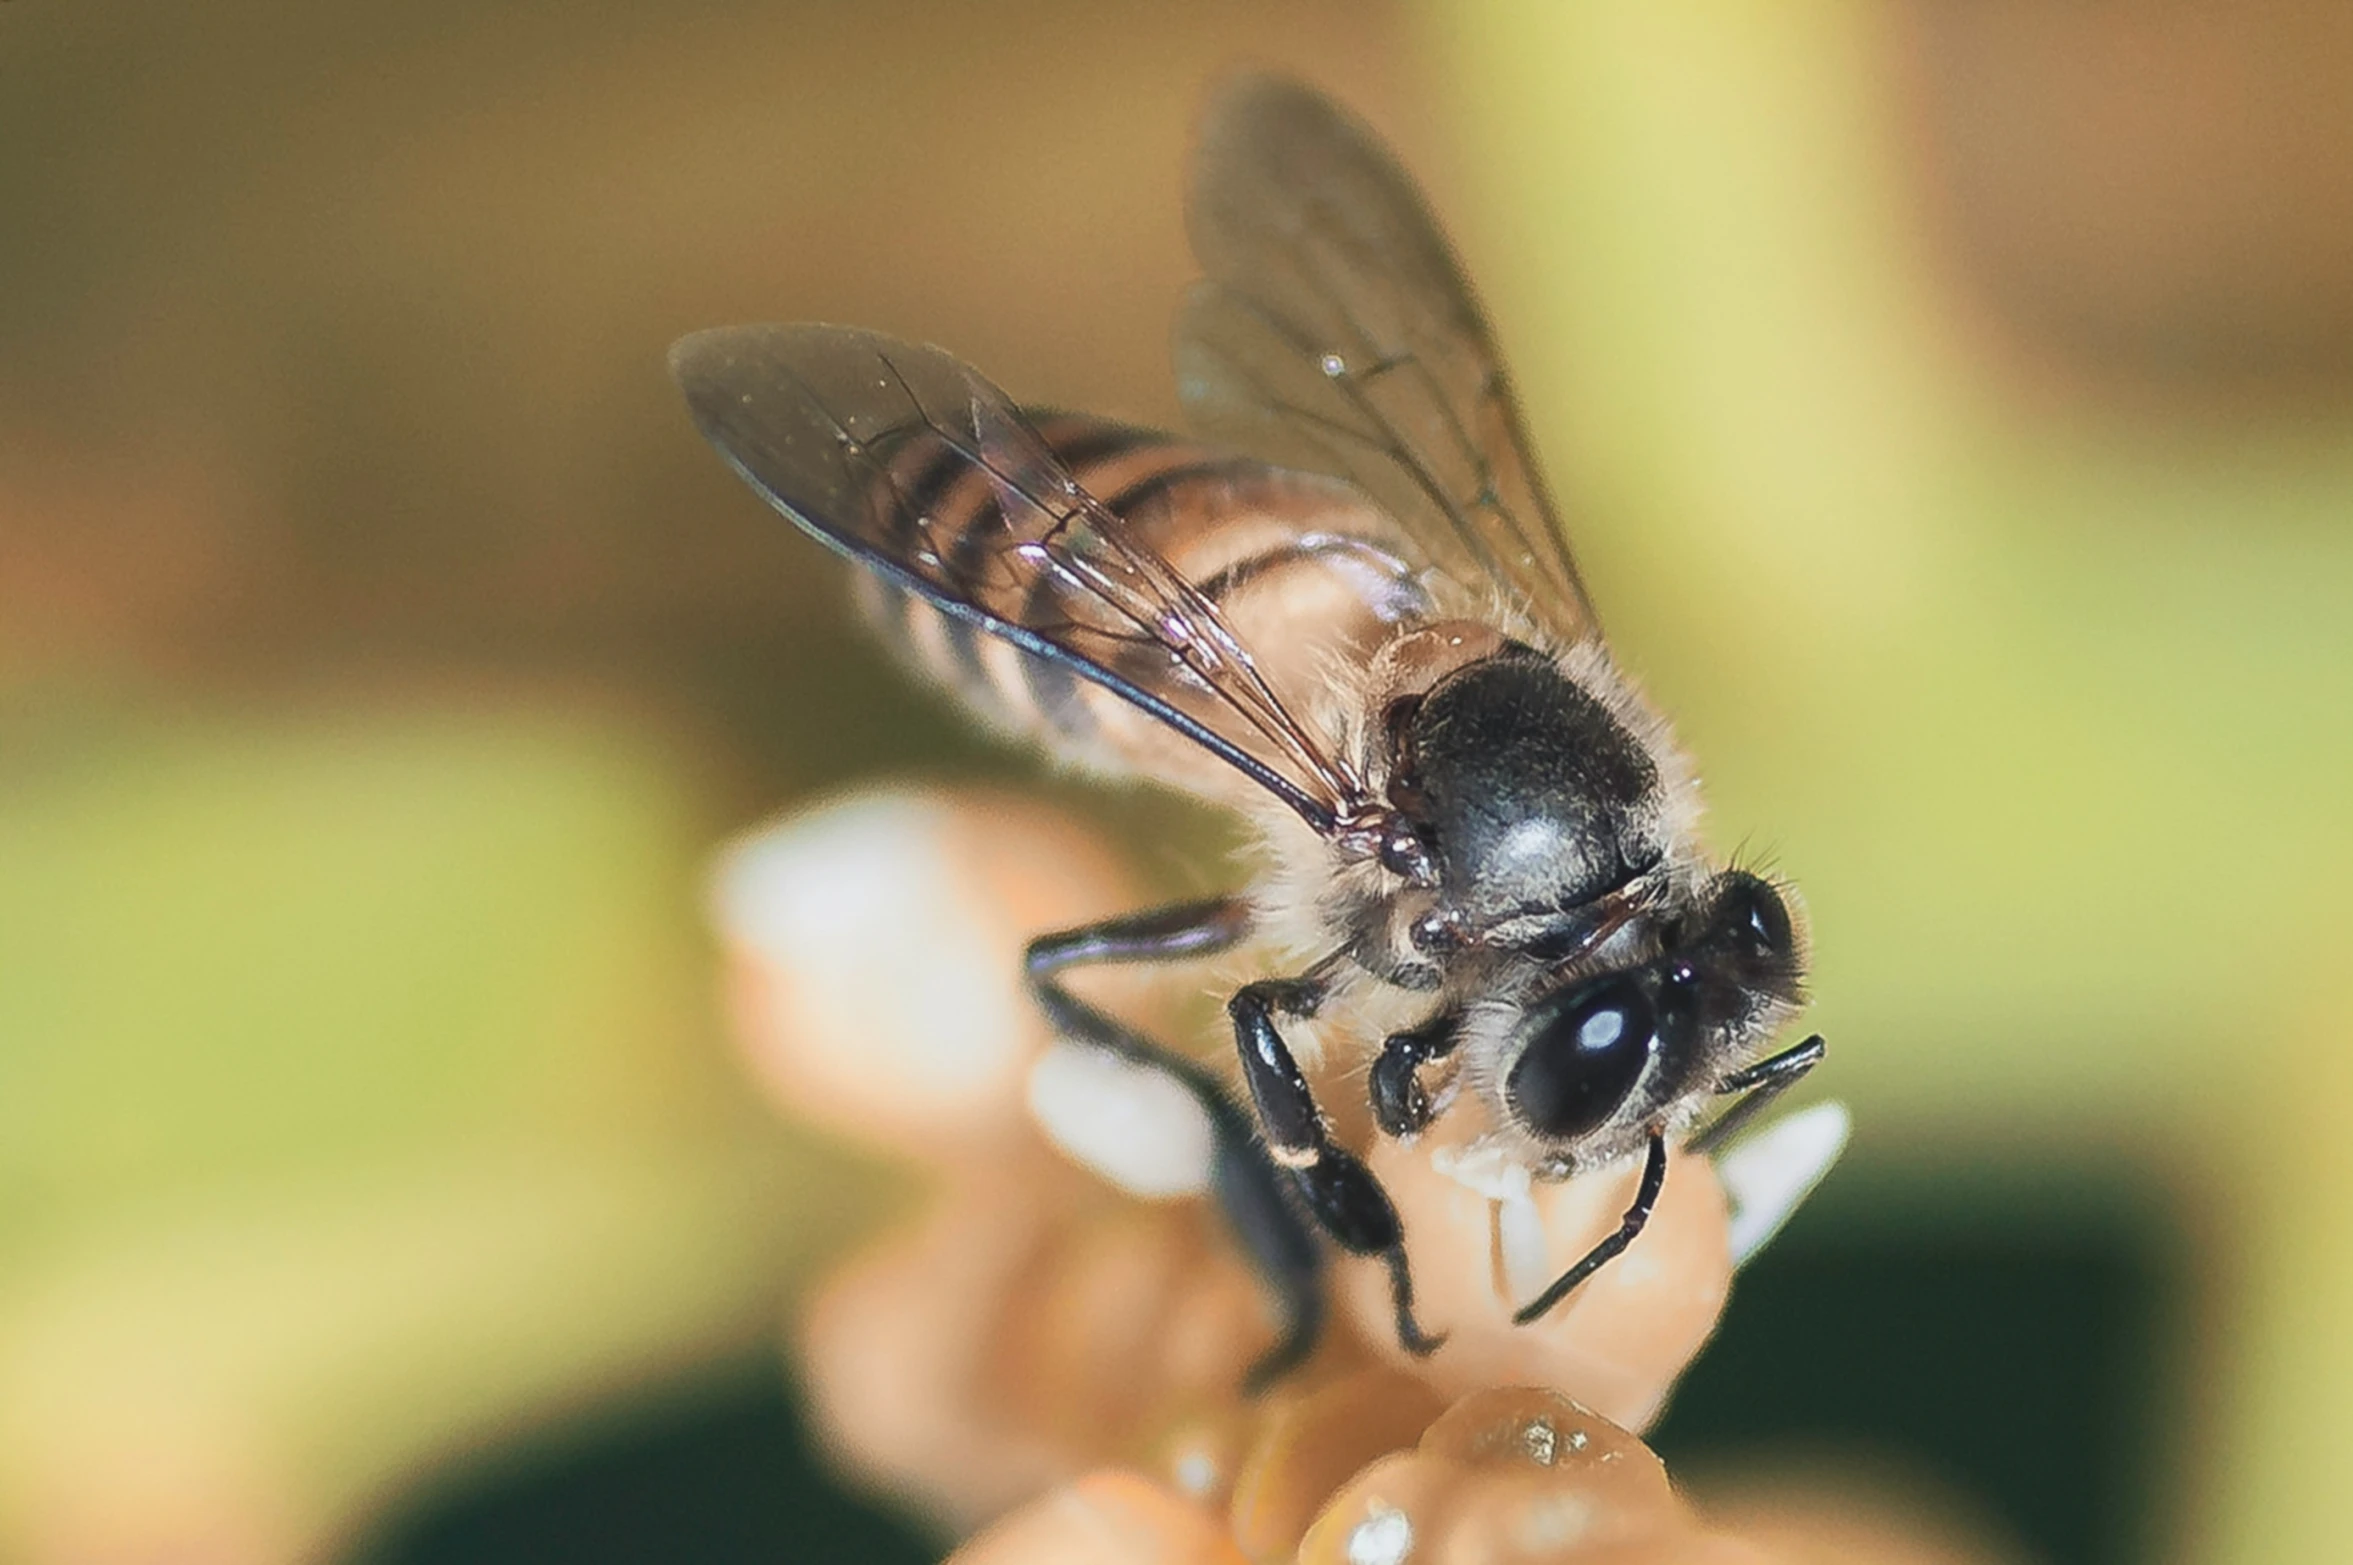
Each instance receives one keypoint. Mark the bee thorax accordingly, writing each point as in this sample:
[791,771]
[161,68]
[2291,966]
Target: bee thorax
[1531,794]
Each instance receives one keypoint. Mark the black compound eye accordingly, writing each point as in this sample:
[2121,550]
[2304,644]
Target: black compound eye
[1585,1050]
[1752,917]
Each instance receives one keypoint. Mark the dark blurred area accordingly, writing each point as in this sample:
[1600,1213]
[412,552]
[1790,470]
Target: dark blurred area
[1951,402]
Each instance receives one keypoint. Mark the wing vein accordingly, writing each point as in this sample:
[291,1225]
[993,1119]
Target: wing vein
[974,512]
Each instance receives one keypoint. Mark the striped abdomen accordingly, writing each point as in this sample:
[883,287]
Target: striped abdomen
[1300,568]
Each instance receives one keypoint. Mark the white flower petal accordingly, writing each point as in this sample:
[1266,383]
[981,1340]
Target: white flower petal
[1131,1124]
[1769,1172]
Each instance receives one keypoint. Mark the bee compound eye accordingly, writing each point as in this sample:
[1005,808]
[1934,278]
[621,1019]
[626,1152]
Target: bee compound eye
[1751,915]
[1583,1052]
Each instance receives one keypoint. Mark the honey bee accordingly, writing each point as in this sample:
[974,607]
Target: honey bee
[1347,610]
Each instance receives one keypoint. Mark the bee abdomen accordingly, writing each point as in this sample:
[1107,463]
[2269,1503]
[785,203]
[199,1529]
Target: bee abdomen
[1226,524]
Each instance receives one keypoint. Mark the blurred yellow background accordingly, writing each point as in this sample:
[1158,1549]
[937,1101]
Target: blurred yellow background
[1953,406]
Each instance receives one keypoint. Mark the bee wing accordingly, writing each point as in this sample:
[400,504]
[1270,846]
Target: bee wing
[853,435]
[1335,331]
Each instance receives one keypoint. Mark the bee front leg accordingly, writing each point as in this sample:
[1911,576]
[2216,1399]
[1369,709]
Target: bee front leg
[1629,1229]
[1347,1202]
[1400,1105]
[1249,1188]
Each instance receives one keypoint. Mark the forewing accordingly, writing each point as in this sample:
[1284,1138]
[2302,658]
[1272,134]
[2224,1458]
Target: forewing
[1335,331]
[853,435]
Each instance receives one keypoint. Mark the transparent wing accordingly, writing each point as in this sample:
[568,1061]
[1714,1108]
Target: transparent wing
[1335,331]
[855,436]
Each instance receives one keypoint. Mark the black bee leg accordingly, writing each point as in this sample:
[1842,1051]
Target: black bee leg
[1400,1106]
[1646,1196]
[1250,1190]
[1762,1082]
[1347,1202]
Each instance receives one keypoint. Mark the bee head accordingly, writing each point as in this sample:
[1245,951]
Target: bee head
[1611,1047]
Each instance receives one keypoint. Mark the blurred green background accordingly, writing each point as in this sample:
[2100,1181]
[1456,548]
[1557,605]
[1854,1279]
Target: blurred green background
[1954,408]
